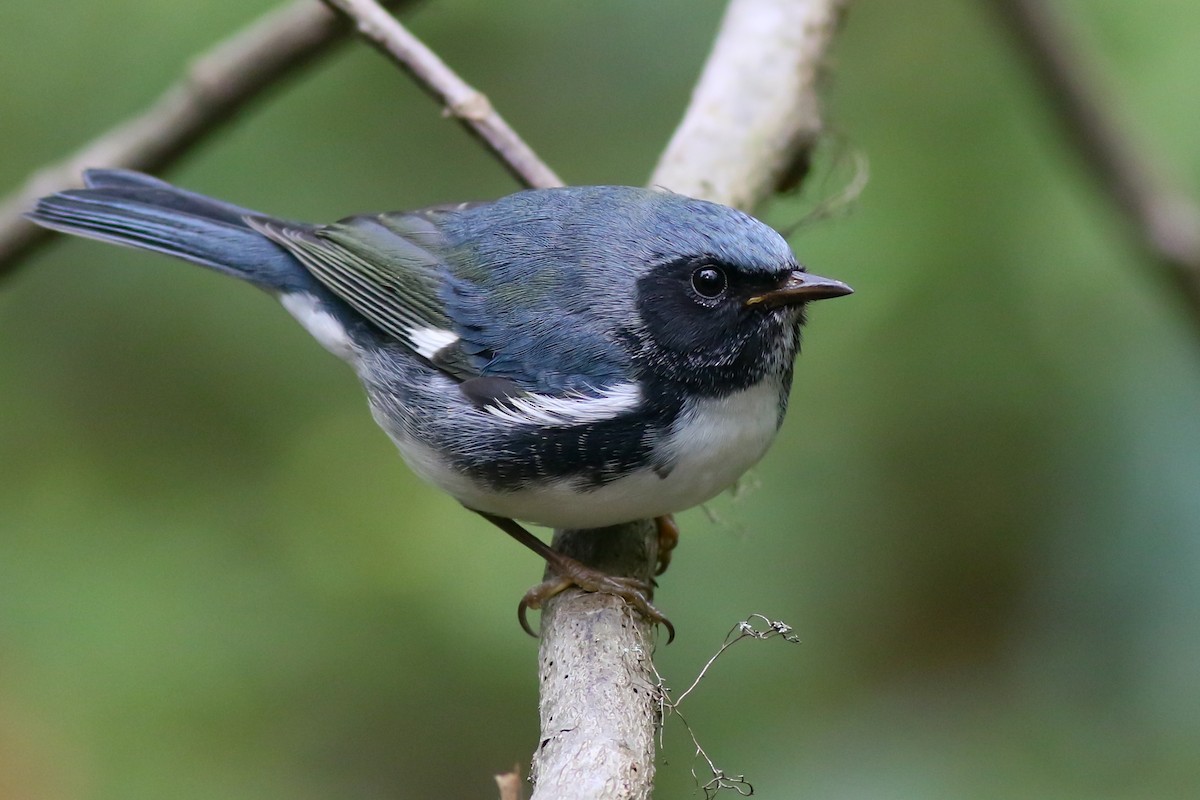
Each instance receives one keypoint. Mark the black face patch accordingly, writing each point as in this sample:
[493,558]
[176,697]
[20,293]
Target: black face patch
[705,339]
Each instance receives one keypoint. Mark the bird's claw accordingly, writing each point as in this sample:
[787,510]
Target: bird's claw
[631,590]
[668,539]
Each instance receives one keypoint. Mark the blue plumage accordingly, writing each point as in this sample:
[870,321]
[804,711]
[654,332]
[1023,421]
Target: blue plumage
[140,211]
[574,357]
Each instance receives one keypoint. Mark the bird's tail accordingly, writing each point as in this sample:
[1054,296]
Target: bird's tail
[136,210]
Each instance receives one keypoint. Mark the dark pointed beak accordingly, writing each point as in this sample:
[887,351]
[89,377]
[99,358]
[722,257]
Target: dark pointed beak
[800,287]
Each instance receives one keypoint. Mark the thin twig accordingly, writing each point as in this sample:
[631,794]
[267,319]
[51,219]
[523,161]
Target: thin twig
[743,630]
[1167,222]
[749,628]
[467,104]
[217,84]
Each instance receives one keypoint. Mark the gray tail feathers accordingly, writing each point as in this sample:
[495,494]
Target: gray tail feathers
[136,210]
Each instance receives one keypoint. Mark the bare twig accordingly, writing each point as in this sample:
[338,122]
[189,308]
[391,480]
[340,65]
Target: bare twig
[216,86]
[1167,222]
[743,630]
[757,627]
[755,115]
[752,119]
[467,104]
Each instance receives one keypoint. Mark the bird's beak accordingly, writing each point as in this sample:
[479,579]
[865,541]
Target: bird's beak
[800,287]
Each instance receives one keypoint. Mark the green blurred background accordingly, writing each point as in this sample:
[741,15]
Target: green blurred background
[217,579]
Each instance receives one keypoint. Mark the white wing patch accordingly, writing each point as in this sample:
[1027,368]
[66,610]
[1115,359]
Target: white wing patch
[544,409]
[428,342]
[323,326]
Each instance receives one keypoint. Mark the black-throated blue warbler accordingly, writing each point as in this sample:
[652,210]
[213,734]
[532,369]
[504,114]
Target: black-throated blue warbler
[575,358]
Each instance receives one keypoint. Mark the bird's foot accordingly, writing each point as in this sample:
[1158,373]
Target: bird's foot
[573,573]
[570,572]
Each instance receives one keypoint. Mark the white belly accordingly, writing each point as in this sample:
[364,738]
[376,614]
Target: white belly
[713,443]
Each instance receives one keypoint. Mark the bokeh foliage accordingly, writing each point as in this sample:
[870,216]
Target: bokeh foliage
[982,517]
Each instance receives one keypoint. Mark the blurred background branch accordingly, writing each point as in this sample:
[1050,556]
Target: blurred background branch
[755,114]
[1166,220]
[467,104]
[218,84]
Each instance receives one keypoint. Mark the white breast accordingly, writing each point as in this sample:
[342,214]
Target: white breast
[714,441]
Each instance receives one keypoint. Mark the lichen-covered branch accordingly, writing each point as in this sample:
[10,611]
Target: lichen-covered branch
[599,706]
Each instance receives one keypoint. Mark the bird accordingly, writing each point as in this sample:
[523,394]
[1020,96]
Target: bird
[572,357]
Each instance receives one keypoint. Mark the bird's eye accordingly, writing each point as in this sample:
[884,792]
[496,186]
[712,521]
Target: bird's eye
[709,282]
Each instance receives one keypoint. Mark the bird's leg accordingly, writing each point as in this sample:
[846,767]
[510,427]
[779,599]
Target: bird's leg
[668,539]
[575,573]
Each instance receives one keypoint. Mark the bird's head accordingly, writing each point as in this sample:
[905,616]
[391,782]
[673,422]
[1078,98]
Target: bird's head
[722,297]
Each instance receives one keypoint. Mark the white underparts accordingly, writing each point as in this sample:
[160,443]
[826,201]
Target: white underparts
[713,441]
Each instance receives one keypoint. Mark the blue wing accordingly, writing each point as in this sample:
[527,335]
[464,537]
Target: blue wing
[419,278]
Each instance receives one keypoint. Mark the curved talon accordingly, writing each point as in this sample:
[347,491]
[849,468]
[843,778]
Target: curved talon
[522,607]
[538,595]
[662,620]
[668,539]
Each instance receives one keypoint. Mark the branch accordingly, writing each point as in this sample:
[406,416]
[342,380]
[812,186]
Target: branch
[1167,222]
[599,703]
[755,115]
[462,101]
[217,85]
[753,118]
